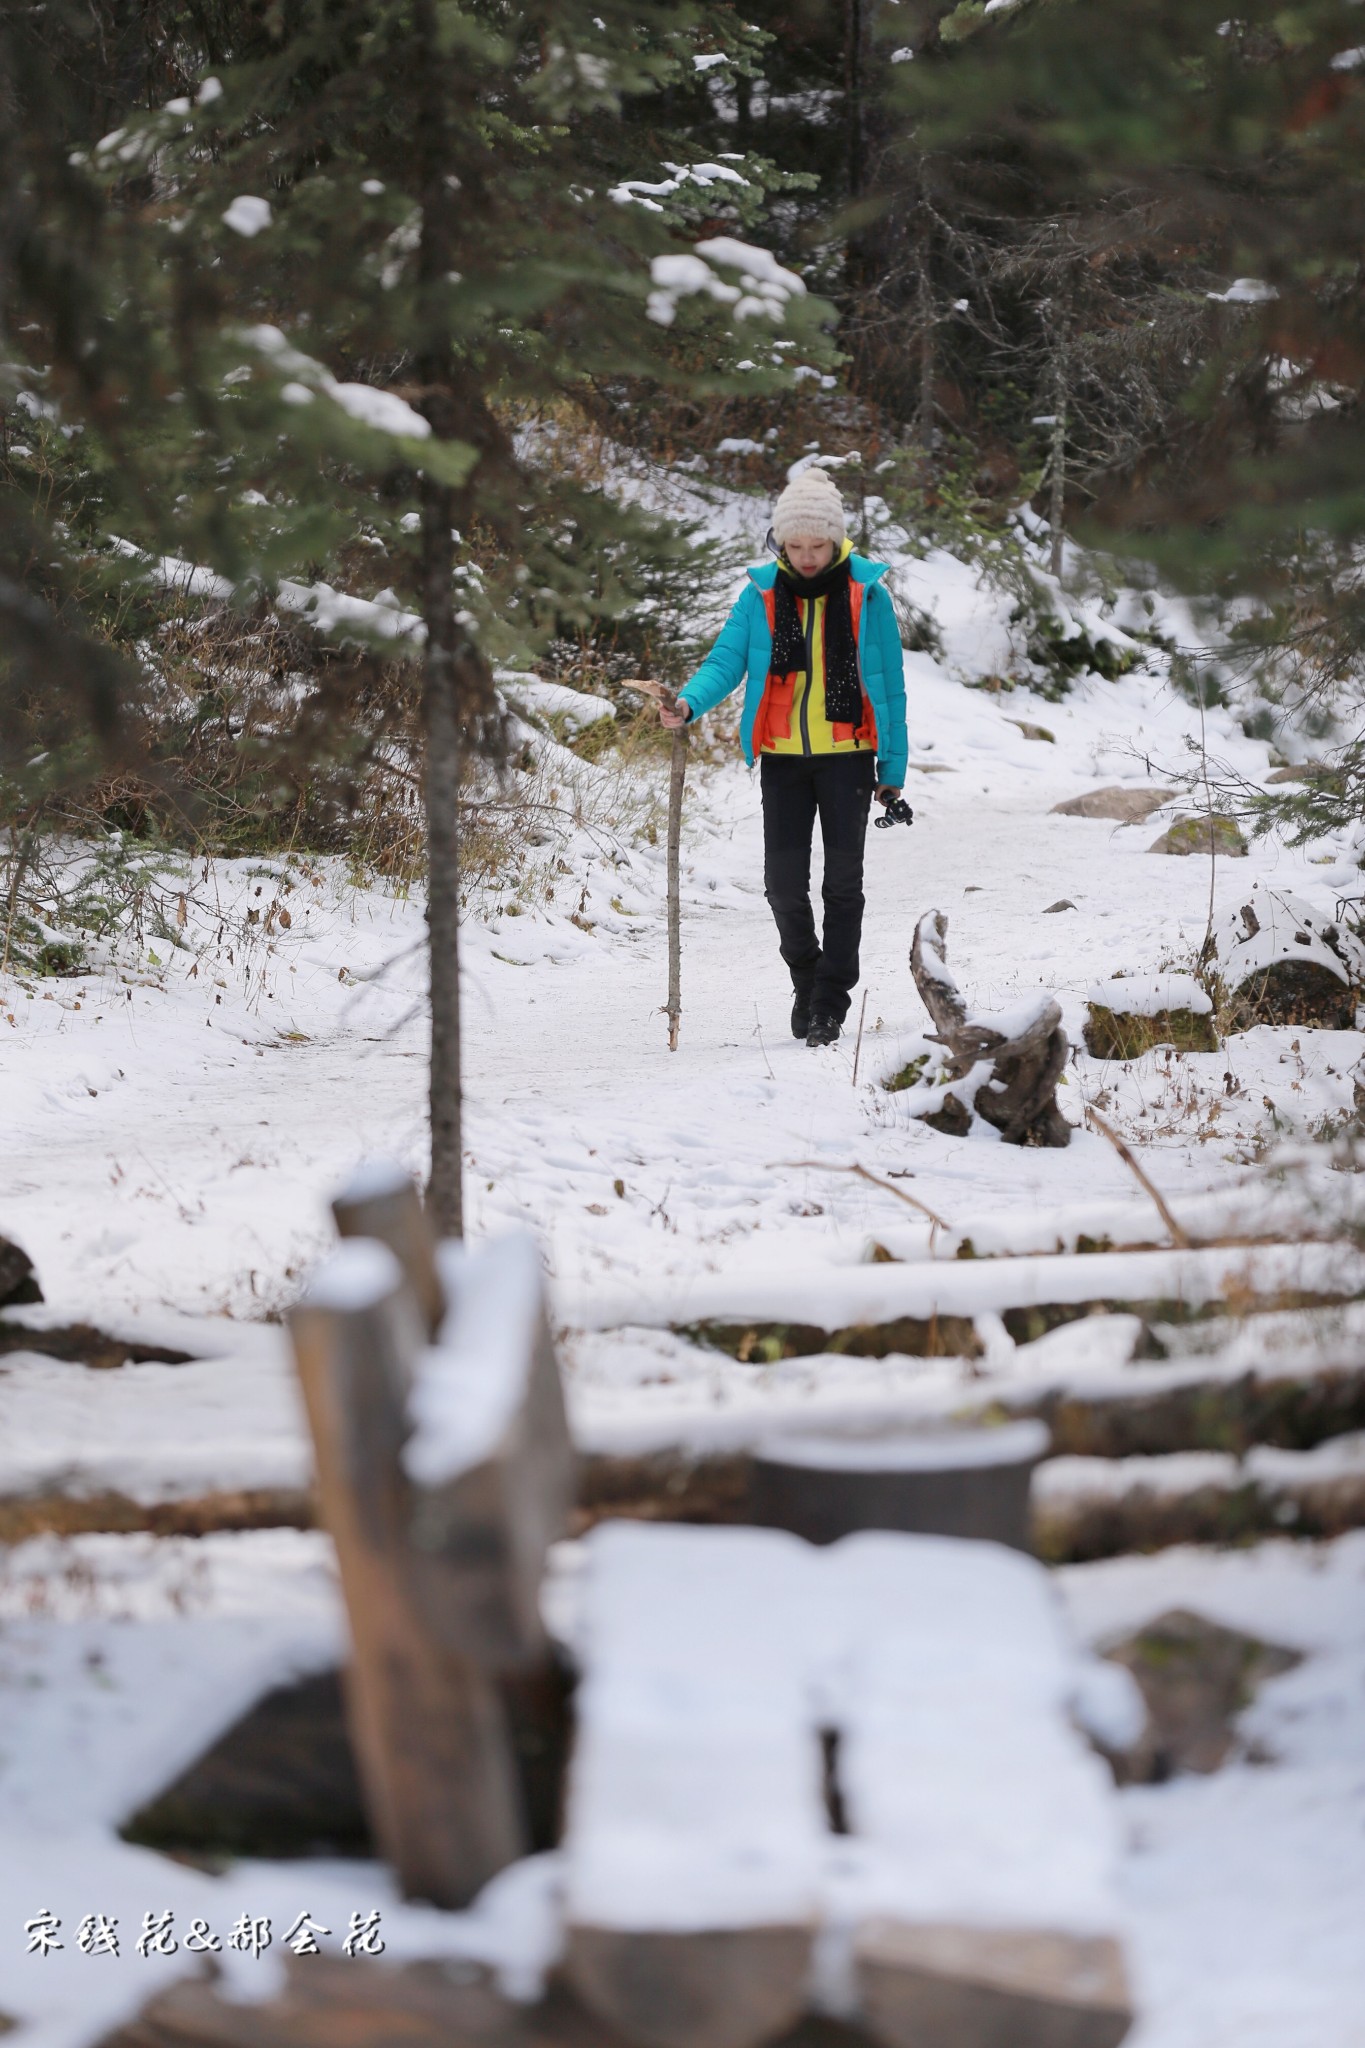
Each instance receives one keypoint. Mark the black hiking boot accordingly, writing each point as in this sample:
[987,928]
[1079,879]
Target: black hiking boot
[823,1030]
[800,1013]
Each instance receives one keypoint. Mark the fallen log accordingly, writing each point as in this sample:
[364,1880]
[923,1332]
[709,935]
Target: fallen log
[1282,963]
[85,1344]
[111,1513]
[1293,1411]
[1085,1509]
[1025,1053]
[990,1923]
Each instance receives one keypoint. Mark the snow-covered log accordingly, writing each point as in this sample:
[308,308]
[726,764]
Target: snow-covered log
[1008,1066]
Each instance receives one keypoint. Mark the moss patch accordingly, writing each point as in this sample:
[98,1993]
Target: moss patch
[1202,835]
[768,1343]
[907,1076]
[1121,1035]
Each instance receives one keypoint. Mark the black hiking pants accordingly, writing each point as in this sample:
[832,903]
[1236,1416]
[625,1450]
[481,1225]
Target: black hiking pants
[838,789]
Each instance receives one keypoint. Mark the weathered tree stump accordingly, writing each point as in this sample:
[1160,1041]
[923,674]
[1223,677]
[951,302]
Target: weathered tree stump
[1281,962]
[1127,1017]
[1027,1052]
[957,1482]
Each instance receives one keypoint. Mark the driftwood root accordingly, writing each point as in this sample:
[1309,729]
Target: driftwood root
[1019,1096]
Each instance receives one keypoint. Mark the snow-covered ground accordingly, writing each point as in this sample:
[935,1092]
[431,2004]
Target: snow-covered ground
[1240,1894]
[172,1123]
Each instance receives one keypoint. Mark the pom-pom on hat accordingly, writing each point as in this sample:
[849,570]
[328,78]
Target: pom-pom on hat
[809,509]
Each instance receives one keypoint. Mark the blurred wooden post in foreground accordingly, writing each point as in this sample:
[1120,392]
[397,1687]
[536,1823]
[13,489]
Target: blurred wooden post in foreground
[444,1472]
[381,1200]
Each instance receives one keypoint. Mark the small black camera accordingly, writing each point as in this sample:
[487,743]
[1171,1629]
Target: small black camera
[897,812]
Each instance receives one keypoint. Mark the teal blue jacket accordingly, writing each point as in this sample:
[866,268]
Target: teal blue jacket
[744,648]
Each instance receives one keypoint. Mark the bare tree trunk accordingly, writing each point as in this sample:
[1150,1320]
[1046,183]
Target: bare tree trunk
[1060,378]
[860,139]
[441,789]
[445,642]
[928,349]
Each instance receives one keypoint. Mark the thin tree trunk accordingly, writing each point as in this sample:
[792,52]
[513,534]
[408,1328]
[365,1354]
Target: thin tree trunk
[441,720]
[1060,378]
[853,95]
[445,642]
[928,338]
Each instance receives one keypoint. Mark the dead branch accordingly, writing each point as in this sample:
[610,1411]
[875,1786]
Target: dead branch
[1106,1130]
[822,1166]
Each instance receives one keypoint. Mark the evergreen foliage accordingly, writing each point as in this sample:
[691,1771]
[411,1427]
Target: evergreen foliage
[1235,149]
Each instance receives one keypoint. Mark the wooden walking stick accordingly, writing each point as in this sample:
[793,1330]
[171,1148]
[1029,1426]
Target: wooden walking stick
[677,775]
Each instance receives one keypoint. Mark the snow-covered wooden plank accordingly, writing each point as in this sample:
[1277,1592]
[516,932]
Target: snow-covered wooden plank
[427,1727]
[972,1883]
[979,1898]
[695,1820]
[488,1459]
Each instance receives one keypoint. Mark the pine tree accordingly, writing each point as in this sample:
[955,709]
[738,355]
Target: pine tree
[361,266]
[1239,145]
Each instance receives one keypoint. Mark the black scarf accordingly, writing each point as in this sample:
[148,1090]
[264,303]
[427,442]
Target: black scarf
[843,685]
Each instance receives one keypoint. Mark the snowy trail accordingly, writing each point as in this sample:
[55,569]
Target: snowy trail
[173,1142]
[170,1129]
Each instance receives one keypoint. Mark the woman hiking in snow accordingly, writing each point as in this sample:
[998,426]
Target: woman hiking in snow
[814,639]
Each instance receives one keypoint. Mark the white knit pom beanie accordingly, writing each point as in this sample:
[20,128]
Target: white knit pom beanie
[809,509]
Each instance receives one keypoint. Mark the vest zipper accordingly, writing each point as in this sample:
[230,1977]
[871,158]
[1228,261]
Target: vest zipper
[811,603]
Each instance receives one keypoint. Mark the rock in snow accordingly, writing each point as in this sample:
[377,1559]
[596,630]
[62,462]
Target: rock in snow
[1124,806]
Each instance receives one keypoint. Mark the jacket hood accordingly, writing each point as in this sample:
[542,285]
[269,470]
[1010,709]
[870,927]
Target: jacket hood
[763,575]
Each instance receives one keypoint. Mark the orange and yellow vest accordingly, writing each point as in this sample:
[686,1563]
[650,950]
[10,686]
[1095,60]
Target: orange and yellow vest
[791,718]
